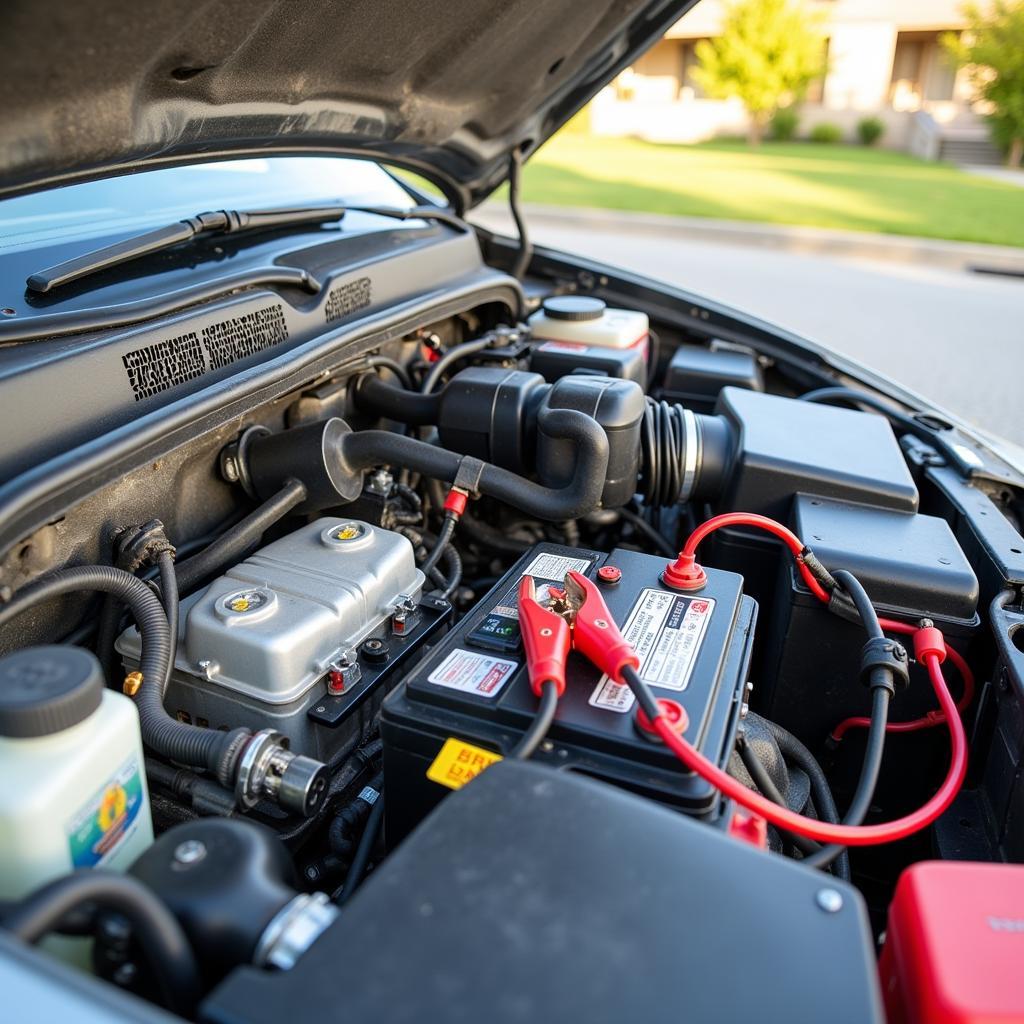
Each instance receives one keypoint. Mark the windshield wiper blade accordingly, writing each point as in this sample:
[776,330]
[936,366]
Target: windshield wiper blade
[222,222]
[215,222]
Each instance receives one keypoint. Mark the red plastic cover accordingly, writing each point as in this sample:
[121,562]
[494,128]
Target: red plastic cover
[954,949]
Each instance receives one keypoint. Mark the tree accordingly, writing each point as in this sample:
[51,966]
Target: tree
[768,53]
[992,49]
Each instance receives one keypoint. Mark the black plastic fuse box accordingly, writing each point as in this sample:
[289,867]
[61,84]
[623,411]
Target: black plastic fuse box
[473,687]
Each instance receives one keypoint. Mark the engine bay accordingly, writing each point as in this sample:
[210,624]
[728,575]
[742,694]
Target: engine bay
[711,593]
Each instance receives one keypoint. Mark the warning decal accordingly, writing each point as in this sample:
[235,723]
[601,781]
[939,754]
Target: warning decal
[546,569]
[666,631]
[459,762]
[473,672]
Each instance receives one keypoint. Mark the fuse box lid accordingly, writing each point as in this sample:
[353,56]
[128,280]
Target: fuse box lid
[785,446]
[904,561]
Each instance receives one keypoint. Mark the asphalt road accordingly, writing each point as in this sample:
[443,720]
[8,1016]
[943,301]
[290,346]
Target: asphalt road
[954,337]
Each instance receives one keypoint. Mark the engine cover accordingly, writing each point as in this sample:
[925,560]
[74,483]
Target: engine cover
[258,647]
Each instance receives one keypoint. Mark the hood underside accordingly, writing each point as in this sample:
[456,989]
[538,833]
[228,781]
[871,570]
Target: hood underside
[445,87]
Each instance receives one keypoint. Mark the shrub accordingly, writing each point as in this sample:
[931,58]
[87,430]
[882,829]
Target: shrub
[870,130]
[784,124]
[826,132]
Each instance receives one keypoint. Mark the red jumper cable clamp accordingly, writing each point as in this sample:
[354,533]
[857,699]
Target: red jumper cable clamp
[578,619]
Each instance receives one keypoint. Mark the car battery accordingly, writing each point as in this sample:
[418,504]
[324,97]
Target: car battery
[469,701]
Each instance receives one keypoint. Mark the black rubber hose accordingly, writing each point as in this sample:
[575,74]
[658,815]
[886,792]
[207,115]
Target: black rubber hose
[361,858]
[861,601]
[375,396]
[764,783]
[169,599]
[821,792]
[368,448]
[451,357]
[871,767]
[534,735]
[106,637]
[868,780]
[201,748]
[392,365]
[340,831]
[231,545]
[443,540]
[154,927]
[452,571]
[525,253]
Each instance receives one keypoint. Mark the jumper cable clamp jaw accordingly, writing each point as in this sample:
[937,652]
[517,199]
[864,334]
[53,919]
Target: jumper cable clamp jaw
[577,619]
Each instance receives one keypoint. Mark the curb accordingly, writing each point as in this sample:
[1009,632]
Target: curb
[804,240]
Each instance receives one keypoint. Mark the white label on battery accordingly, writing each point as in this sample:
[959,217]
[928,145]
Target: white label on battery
[472,672]
[545,566]
[666,631]
[368,795]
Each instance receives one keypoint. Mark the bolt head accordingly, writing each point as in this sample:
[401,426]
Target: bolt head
[829,900]
[189,852]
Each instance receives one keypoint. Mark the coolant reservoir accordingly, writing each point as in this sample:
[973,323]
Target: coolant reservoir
[74,786]
[585,321]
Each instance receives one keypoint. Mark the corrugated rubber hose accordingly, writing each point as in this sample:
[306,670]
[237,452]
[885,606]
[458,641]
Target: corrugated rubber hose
[188,744]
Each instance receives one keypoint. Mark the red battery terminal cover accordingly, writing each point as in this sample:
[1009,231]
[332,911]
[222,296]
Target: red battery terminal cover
[955,945]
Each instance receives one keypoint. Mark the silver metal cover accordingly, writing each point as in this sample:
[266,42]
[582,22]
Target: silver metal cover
[273,624]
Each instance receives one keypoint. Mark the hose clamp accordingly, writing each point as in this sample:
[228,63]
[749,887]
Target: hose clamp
[691,455]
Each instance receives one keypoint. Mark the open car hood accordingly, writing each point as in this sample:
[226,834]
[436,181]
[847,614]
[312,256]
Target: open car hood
[448,88]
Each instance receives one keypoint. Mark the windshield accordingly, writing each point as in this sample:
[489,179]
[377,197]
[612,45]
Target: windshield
[152,198]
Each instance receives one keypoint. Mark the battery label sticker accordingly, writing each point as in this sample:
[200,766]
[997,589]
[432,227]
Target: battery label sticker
[107,819]
[472,672]
[459,762]
[666,631]
[547,570]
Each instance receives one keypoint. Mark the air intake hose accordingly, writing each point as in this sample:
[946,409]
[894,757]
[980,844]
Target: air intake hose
[330,459]
[686,455]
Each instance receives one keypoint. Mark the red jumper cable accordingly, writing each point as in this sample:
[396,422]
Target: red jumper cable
[929,648]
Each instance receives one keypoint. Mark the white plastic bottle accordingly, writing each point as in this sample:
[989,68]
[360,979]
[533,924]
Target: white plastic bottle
[74,786]
[587,321]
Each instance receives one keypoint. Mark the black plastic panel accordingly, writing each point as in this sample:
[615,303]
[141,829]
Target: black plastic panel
[785,446]
[535,895]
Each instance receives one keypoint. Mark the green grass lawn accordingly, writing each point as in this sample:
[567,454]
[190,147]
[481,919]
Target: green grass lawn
[783,183]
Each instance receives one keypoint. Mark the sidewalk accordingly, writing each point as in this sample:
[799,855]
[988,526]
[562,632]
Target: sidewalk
[1008,175]
[803,240]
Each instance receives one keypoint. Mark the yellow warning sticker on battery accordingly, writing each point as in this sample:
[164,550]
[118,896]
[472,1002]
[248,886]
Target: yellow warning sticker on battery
[459,762]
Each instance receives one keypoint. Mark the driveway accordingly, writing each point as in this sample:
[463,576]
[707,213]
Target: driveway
[954,336]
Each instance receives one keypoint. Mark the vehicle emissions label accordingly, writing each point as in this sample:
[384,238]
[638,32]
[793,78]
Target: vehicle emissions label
[473,672]
[666,631]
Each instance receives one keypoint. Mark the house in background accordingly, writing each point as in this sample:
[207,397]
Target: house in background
[884,60]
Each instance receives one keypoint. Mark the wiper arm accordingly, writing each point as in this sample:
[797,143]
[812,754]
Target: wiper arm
[222,222]
[216,222]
